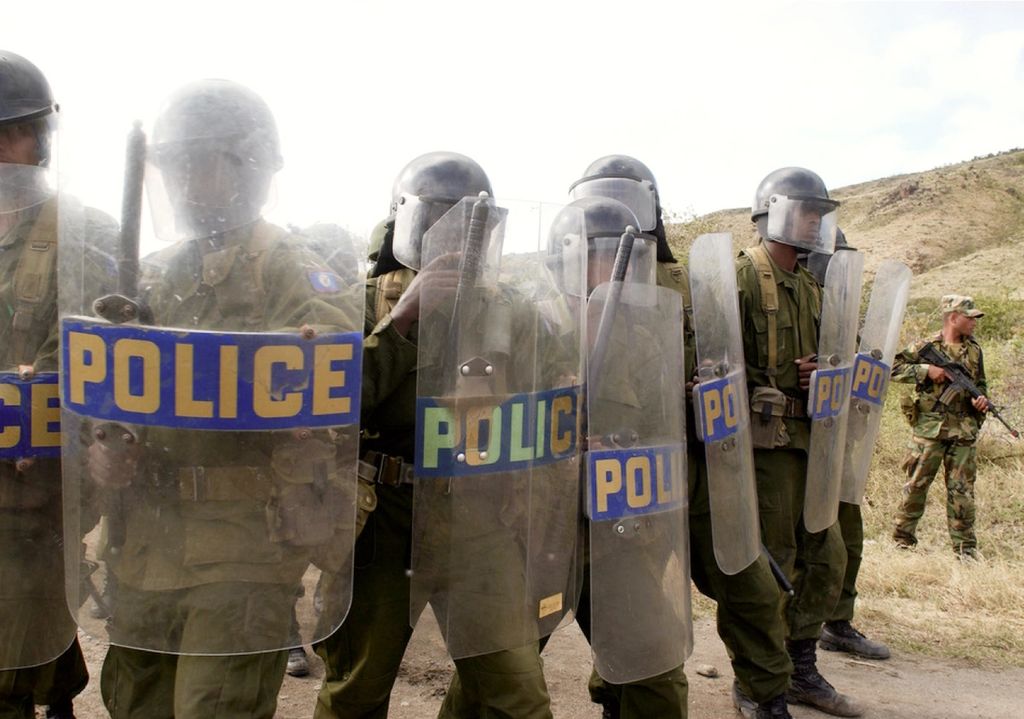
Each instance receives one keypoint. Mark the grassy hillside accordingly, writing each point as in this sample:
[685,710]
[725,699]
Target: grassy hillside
[960,229]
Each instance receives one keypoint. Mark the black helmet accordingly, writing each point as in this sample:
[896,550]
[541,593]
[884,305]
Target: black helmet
[817,262]
[792,206]
[423,192]
[604,220]
[216,148]
[625,179]
[25,97]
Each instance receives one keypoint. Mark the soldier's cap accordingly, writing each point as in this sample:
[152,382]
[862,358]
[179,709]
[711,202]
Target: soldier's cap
[960,303]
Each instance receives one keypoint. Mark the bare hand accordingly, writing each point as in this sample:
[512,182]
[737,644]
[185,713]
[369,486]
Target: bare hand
[980,403]
[437,280]
[936,374]
[806,365]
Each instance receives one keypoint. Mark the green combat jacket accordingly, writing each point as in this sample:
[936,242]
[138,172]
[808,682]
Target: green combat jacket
[233,526]
[797,323]
[936,414]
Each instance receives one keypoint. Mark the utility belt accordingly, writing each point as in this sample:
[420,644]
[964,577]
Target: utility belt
[223,484]
[386,469]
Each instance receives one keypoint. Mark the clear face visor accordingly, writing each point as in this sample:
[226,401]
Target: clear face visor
[201,189]
[640,272]
[415,215]
[22,187]
[805,222]
[637,195]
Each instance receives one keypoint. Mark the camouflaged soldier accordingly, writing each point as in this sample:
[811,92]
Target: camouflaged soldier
[751,629]
[217,528]
[780,307]
[39,652]
[945,426]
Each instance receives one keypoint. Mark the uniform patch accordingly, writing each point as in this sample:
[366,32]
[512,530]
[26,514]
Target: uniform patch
[324,281]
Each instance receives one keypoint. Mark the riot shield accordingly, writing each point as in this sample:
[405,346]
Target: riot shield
[636,486]
[210,409]
[870,375]
[495,548]
[35,625]
[720,408]
[828,398]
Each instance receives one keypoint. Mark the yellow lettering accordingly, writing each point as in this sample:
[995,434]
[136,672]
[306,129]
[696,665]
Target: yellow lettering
[263,403]
[475,457]
[638,496]
[823,394]
[325,379]
[185,403]
[712,411]
[861,374]
[10,396]
[45,413]
[607,481]
[80,372]
[124,351]
[228,399]
[560,442]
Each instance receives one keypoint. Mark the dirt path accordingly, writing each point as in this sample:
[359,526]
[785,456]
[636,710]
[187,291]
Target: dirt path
[905,687]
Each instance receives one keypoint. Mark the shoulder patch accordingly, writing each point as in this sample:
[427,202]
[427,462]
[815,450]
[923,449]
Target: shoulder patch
[325,281]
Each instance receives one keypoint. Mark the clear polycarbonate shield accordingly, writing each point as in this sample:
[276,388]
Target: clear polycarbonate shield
[805,222]
[636,498]
[496,550]
[210,415]
[35,626]
[638,195]
[829,394]
[869,384]
[720,403]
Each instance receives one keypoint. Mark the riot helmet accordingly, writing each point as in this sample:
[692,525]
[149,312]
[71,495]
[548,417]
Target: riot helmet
[580,267]
[817,262]
[26,103]
[423,192]
[792,207]
[214,151]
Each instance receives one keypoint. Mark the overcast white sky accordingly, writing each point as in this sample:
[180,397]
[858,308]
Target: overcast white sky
[711,98]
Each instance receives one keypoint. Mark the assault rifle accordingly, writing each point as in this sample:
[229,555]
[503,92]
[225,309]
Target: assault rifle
[958,381]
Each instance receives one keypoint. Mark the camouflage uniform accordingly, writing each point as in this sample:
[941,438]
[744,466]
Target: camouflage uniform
[227,562]
[30,501]
[362,657]
[944,434]
[815,563]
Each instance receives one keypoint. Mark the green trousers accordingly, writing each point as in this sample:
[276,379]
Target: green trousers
[814,562]
[921,465]
[138,684]
[851,525]
[54,682]
[363,656]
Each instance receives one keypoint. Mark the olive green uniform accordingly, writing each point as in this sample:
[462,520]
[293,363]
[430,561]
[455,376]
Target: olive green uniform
[32,584]
[814,562]
[362,658]
[227,577]
[945,430]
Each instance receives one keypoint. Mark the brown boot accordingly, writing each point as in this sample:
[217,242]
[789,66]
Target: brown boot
[807,686]
[840,636]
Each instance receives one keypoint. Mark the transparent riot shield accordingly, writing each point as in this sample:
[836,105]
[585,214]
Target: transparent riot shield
[496,550]
[636,486]
[35,625]
[210,409]
[720,407]
[828,399]
[870,375]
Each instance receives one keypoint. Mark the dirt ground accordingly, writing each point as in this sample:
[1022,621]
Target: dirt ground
[904,687]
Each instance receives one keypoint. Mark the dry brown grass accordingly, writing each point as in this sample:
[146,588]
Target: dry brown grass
[961,229]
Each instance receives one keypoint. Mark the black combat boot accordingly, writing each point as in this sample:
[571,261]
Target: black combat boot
[61,710]
[840,636]
[807,686]
[773,709]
